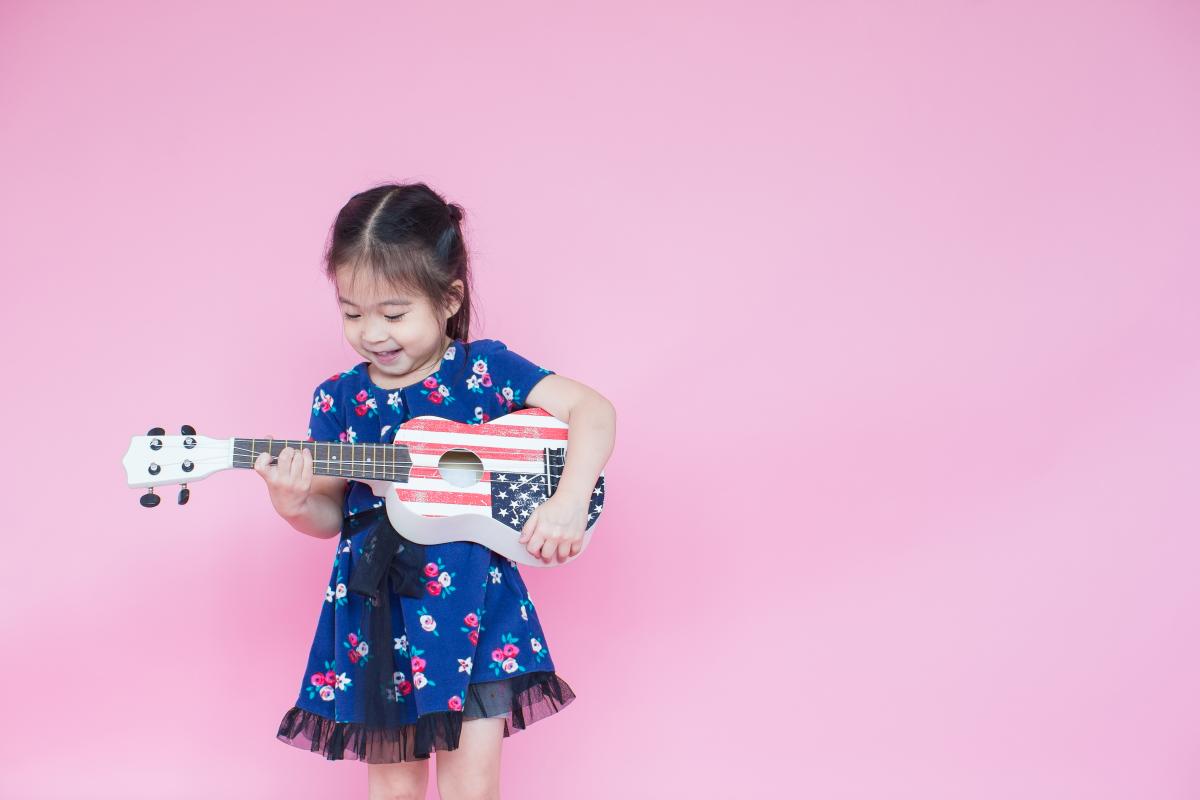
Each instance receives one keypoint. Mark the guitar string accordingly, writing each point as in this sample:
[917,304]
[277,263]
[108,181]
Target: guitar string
[243,451]
[239,450]
[352,464]
[555,459]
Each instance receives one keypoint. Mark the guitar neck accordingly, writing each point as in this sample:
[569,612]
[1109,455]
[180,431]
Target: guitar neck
[366,461]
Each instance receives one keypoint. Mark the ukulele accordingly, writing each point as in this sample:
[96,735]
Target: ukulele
[442,481]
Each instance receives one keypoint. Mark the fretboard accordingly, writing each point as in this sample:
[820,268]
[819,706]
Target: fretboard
[370,460]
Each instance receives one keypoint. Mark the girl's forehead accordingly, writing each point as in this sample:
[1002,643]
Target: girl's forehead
[362,287]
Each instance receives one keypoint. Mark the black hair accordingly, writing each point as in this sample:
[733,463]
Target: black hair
[410,237]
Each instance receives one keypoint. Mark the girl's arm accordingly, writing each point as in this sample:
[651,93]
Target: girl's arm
[592,421]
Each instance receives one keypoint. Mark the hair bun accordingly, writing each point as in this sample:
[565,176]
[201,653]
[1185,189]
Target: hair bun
[455,212]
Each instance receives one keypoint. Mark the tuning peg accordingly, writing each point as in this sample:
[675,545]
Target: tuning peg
[150,499]
[184,493]
[155,432]
[188,430]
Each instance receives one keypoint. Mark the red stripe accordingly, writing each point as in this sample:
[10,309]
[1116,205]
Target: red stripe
[438,496]
[486,429]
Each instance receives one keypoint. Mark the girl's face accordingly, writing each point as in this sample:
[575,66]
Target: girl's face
[400,332]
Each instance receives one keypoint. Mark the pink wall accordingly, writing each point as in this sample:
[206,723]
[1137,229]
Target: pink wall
[897,302]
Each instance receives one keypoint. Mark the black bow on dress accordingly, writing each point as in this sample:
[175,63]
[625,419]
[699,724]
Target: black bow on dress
[387,563]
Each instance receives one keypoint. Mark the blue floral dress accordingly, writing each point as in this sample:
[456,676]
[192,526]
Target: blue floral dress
[471,645]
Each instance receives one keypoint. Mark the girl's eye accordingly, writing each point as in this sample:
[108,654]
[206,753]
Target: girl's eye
[386,316]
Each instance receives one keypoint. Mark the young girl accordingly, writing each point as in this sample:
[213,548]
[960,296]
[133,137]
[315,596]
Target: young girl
[465,661]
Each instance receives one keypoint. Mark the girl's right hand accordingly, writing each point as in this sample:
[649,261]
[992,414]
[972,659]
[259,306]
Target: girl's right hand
[289,481]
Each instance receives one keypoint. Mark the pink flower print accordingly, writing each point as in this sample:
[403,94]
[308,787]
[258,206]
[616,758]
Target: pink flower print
[504,657]
[361,396]
[440,585]
[357,647]
[321,684]
[334,376]
[473,636]
[471,619]
[435,398]
[480,366]
[455,703]
[486,380]
[418,664]
[430,382]
[361,410]
[323,401]
[405,688]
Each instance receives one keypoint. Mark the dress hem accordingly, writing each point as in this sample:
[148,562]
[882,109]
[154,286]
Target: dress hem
[535,696]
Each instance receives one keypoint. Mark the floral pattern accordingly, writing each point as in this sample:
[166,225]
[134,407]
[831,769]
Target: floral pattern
[441,641]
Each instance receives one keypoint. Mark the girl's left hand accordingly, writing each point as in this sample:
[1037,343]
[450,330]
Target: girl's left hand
[555,528]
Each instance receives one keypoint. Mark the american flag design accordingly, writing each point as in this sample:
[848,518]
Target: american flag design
[522,455]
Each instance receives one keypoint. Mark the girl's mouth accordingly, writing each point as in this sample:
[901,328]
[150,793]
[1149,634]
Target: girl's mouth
[387,356]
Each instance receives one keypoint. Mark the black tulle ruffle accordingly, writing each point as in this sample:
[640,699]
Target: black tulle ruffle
[532,696]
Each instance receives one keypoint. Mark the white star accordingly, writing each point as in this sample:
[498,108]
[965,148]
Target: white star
[597,490]
[599,507]
[503,495]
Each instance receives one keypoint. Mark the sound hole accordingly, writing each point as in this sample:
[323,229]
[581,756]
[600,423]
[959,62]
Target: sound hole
[460,468]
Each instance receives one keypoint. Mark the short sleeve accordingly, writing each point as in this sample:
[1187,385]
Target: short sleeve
[325,416]
[512,376]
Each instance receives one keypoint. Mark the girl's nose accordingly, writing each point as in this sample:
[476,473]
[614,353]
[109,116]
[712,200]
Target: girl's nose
[376,330]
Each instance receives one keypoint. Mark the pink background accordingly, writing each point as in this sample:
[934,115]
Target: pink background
[897,303]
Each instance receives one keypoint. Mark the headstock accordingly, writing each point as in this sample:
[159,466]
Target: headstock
[157,459]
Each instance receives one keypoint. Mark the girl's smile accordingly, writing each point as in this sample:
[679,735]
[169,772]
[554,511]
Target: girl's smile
[387,357]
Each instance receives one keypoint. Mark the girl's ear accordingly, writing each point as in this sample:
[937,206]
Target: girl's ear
[456,297]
